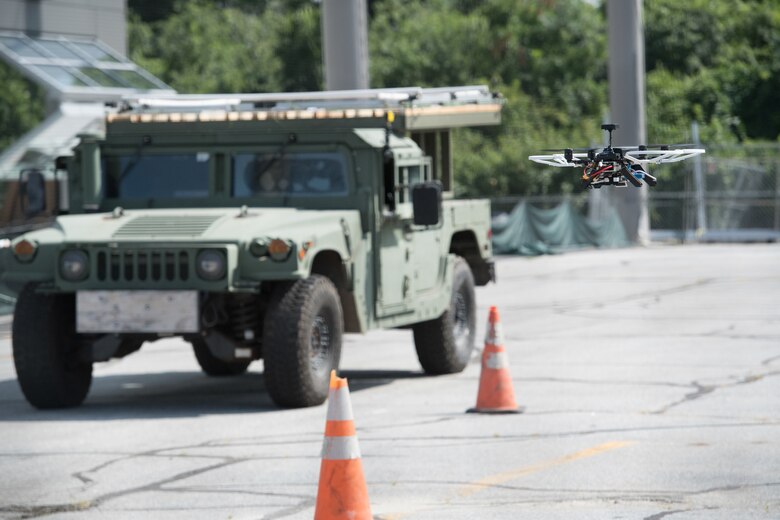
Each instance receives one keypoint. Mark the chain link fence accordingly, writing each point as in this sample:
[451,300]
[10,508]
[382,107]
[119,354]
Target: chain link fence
[737,199]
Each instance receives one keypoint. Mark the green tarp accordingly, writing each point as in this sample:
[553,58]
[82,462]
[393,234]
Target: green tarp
[533,231]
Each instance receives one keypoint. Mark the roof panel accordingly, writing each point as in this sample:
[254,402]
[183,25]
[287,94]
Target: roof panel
[61,75]
[21,47]
[95,52]
[58,49]
[102,78]
[136,80]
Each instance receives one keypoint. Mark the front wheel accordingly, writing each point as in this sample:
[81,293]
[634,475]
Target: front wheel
[302,342]
[444,345]
[45,347]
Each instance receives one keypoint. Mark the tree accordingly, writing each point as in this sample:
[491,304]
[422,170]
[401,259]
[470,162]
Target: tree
[21,105]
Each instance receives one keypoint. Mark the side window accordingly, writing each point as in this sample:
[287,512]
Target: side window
[407,175]
[401,184]
[415,175]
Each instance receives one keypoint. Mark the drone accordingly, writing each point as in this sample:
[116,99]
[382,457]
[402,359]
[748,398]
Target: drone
[617,166]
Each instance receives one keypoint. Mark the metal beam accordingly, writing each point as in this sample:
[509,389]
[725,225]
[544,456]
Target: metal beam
[345,44]
[627,104]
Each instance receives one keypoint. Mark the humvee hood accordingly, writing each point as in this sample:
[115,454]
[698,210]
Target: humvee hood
[203,225]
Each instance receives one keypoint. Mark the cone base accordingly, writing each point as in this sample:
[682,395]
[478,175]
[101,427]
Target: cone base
[519,409]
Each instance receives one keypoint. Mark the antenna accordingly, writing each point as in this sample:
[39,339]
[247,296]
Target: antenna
[609,127]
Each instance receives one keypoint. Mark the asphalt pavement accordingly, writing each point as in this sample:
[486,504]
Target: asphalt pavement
[649,378]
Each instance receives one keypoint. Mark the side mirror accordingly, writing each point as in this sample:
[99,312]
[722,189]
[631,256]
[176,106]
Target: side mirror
[33,192]
[426,203]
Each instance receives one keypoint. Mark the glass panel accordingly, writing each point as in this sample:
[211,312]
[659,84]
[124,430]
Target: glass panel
[94,52]
[135,80]
[414,175]
[179,176]
[59,50]
[101,78]
[61,75]
[21,47]
[297,174]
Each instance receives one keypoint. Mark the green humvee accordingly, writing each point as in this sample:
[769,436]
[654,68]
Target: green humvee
[256,227]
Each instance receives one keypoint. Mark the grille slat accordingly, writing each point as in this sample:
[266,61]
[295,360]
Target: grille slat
[142,265]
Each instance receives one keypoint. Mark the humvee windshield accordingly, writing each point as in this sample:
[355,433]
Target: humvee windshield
[299,174]
[186,175]
[155,176]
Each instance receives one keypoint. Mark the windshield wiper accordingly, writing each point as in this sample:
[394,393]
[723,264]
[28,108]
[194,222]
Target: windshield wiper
[278,155]
[135,160]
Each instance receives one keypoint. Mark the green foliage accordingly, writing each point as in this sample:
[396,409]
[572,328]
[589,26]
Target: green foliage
[21,105]
[715,61]
[427,44]
[722,59]
[201,49]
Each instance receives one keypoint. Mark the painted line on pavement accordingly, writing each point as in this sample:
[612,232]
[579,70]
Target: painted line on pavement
[501,478]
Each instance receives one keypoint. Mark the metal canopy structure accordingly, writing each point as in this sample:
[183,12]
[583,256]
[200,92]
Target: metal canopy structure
[77,70]
[80,76]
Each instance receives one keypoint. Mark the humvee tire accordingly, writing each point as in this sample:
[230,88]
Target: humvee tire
[213,366]
[45,348]
[444,345]
[302,342]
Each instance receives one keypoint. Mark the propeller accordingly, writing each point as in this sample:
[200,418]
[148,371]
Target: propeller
[644,147]
[562,150]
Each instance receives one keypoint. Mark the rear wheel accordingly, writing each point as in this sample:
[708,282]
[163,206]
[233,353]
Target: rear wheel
[444,345]
[45,347]
[212,365]
[302,342]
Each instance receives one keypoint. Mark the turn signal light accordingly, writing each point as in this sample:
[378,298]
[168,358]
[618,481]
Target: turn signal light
[279,249]
[24,250]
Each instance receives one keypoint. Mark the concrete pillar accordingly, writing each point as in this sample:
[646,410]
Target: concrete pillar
[345,44]
[627,105]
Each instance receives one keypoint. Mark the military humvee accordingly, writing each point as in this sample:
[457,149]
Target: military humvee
[256,226]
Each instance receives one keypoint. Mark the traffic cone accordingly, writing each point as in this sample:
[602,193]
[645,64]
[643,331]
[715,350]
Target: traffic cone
[342,492]
[496,394]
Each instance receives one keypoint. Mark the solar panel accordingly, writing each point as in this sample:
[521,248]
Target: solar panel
[77,69]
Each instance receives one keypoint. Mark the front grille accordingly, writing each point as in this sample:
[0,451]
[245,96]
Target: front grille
[168,265]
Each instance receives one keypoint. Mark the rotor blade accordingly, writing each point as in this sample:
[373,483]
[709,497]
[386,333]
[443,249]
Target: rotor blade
[670,146]
[581,149]
[658,146]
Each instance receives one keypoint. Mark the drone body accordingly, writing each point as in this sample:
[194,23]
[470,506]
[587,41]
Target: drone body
[617,166]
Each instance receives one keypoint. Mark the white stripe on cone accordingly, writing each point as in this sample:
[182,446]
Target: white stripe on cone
[339,405]
[340,448]
[495,334]
[497,360]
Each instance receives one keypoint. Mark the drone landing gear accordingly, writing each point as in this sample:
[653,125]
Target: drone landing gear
[632,176]
[638,173]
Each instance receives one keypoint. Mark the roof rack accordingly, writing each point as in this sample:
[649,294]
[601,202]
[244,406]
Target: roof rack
[415,108]
[381,97]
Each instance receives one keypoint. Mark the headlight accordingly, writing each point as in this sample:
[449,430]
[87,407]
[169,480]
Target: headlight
[211,264]
[74,265]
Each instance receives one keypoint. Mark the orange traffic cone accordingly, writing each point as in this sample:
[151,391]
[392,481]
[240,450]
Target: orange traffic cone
[342,492]
[496,394]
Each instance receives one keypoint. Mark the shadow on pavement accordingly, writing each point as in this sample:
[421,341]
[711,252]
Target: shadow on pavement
[172,395]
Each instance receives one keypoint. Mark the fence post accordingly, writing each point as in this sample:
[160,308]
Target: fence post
[698,180]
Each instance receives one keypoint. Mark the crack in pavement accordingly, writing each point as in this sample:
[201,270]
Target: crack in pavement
[703,390]
[573,306]
[658,516]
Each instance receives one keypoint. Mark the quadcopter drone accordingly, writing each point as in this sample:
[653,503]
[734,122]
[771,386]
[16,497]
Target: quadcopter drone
[614,166]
